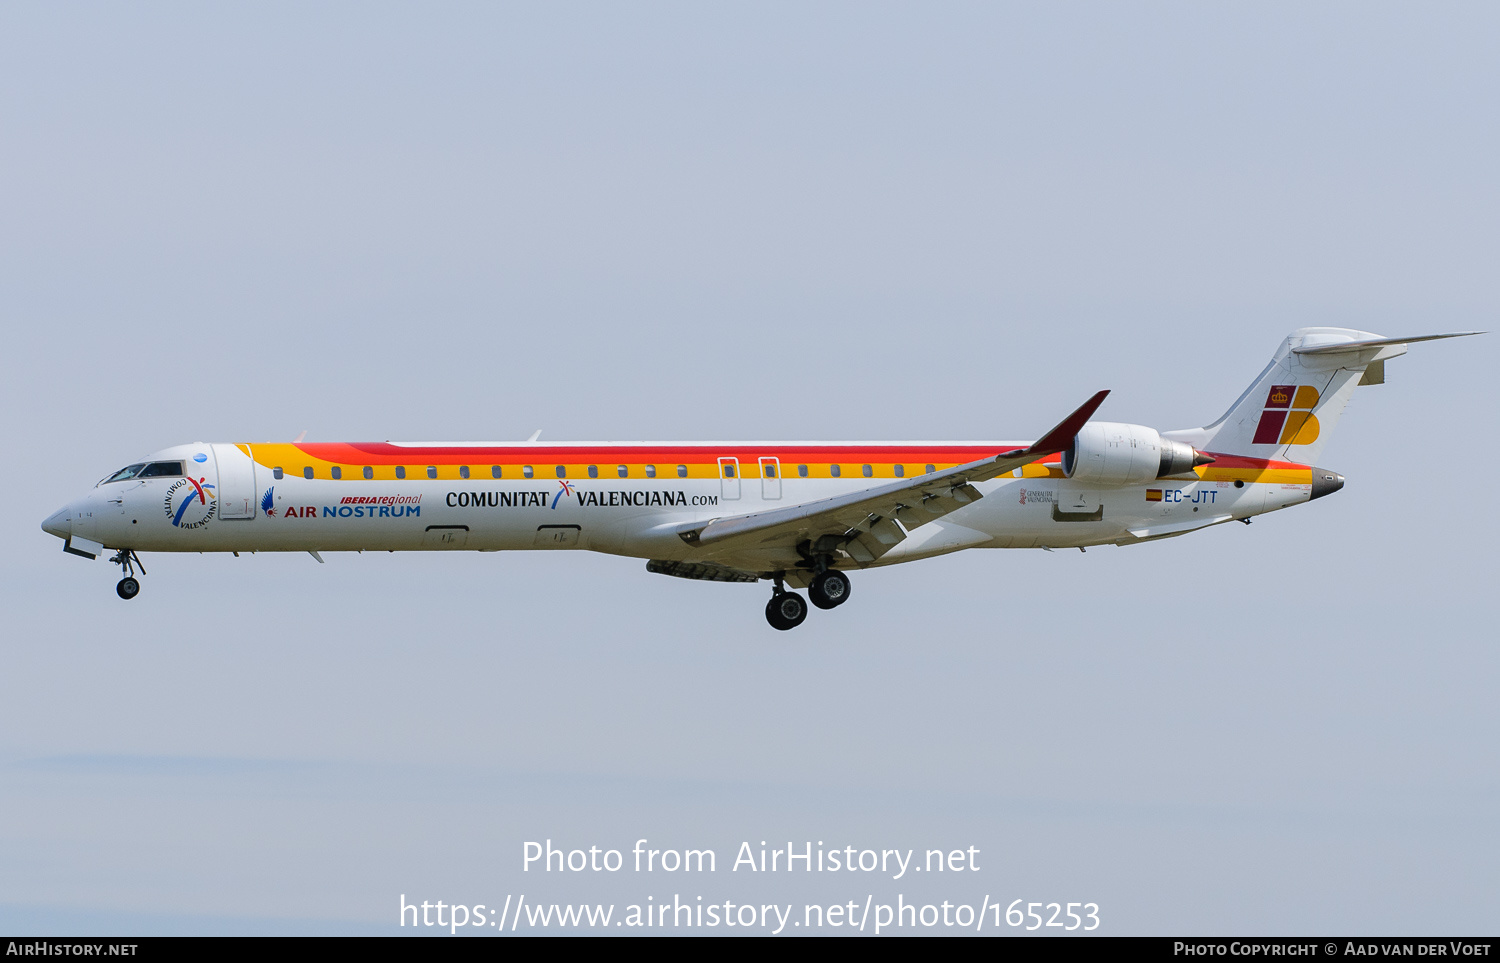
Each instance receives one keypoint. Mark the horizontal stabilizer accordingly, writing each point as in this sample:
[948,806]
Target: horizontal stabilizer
[1377,343]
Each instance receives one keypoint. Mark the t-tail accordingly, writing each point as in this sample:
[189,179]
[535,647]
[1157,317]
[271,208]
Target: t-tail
[1289,411]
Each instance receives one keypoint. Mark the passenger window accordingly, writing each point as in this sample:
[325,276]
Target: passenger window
[369,472]
[650,471]
[337,473]
[900,471]
[162,469]
[681,471]
[463,471]
[931,469]
[494,471]
[835,471]
[593,471]
[562,471]
[400,471]
[276,473]
[431,471]
[802,470]
[307,472]
[770,470]
[526,470]
[728,471]
[623,471]
[866,470]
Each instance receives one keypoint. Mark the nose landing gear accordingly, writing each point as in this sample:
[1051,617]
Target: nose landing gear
[128,588]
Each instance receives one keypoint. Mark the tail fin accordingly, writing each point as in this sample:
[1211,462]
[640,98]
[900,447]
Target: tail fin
[1289,411]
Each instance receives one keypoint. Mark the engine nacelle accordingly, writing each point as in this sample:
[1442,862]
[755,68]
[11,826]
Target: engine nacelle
[1115,455]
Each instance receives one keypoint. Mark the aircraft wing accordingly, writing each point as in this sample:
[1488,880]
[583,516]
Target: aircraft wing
[867,523]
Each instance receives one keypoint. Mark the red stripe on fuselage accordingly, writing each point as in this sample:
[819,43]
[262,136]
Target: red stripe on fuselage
[383,453]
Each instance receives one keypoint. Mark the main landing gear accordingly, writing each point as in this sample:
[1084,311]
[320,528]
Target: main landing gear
[128,588]
[787,610]
[829,589]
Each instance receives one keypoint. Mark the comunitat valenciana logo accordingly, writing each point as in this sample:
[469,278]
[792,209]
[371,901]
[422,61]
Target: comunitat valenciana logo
[191,502]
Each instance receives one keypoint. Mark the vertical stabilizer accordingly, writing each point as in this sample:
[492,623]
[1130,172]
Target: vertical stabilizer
[1289,411]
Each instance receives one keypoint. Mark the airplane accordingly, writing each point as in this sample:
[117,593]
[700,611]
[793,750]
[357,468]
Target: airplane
[802,515]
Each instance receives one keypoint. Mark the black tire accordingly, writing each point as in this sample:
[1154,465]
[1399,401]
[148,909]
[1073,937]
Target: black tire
[829,590]
[786,610]
[128,588]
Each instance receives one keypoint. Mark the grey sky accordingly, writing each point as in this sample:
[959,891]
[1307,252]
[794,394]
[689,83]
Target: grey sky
[756,221]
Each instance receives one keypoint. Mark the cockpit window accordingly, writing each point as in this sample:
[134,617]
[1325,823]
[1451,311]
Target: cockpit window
[125,474]
[162,469]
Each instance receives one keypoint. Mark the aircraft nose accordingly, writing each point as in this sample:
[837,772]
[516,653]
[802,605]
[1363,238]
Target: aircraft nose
[59,523]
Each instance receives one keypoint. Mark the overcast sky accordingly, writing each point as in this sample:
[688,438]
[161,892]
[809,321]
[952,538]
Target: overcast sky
[686,222]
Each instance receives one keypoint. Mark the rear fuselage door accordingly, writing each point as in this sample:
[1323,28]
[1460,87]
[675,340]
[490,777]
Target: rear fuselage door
[729,478]
[236,482]
[770,477]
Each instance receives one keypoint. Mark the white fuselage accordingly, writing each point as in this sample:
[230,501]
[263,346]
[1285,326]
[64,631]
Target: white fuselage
[228,499]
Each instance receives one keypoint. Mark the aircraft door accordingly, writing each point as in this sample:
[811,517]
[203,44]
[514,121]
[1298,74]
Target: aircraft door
[770,477]
[729,478]
[236,482]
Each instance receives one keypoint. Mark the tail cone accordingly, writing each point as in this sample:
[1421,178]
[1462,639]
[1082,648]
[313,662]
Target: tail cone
[1325,482]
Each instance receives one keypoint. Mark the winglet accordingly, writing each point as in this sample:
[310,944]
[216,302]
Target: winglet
[1062,436]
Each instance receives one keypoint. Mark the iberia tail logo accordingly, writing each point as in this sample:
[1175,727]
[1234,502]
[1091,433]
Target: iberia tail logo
[1288,418]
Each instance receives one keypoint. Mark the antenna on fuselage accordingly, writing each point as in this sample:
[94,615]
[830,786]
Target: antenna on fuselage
[299,438]
[534,436]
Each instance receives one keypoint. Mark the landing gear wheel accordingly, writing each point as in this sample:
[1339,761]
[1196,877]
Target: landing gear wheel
[786,610]
[128,588]
[829,589]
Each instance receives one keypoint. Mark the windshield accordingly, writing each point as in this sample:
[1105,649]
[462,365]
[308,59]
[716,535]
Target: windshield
[124,474]
[155,469]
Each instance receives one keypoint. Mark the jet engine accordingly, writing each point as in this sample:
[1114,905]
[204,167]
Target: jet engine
[1115,455]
